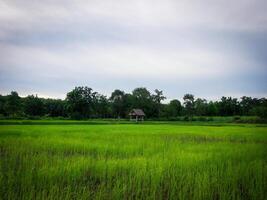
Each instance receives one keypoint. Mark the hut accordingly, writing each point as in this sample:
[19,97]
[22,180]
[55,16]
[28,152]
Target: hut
[137,115]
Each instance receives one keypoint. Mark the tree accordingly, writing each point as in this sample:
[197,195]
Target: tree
[157,98]
[142,99]
[13,104]
[228,106]
[141,94]
[174,108]
[80,102]
[212,109]
[55,107]
[259,107]
[102,106]
[189,104]
[83,102]
[33,106]
[2,105]
[260,111]
[201,107]
[117,98]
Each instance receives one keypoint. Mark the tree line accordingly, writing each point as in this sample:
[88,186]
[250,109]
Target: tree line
[84,103]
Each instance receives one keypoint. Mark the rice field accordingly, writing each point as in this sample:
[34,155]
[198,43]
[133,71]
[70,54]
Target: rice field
[133,161]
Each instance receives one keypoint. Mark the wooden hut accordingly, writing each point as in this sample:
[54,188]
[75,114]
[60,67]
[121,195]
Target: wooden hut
[137,115]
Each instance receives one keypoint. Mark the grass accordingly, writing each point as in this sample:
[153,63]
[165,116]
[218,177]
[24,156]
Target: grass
[177,120]
[133,161]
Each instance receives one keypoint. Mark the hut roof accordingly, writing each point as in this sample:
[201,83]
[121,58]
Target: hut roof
[138,112]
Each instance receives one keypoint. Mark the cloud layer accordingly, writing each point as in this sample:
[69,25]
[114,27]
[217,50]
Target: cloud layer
[210,49]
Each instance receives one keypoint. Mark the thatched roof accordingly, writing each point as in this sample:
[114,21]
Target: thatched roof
[138,112]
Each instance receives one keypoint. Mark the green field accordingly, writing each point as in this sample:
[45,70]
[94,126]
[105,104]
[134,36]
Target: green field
[133,161]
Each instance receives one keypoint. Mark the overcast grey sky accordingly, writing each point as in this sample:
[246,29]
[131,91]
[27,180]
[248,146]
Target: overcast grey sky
[209,48]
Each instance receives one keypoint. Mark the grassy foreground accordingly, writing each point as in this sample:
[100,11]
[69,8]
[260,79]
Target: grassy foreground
[133,161]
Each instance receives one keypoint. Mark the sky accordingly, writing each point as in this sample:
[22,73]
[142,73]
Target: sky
[209,48]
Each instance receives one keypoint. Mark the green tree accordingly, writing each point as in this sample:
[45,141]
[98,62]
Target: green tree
[2,105]
[246,104]
[13,104]
[157,98]
[34,106]
[174,108]
[102,106]
[212,109]
[142,99]
[189,104]
[118,103]
[80,102]
[55,107]
[201,107]
[228,106]
[259,108]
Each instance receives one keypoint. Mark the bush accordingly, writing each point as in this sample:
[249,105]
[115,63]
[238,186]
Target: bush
[202,119]
[237,119]
[186,118]
[260,111]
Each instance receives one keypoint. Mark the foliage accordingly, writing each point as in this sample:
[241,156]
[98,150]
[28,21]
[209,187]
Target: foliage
[55,107]
[12,105]
[33,106]
[80,102]
[84,103]
[189,104]
[118,99]
[174,108]
[143,99]
[102,107]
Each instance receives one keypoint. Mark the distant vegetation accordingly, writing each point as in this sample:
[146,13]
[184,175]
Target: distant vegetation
[84,103]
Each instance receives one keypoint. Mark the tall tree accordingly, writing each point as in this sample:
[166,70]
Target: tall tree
[189,104]
[201,107]
[212,109]
[142,99]
[80,102]
[2,105]
[259,107]
[102,106]
[33,106]
[117,98]
[157,98]
[174,108]
[13,104]
[229,106]
[55,107]
[246,105]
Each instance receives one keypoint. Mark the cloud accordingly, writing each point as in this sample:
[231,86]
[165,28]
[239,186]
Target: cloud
[122,60]
[232,15]
[133,43]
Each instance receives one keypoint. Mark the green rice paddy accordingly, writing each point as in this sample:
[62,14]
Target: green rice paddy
[133,161]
